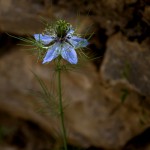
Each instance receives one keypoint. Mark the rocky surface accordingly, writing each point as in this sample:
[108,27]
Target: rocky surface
[129,62]
[106,101]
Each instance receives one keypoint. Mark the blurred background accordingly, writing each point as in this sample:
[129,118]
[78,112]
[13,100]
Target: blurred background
[107,99]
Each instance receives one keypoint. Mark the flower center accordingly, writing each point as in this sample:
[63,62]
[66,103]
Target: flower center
[61,29]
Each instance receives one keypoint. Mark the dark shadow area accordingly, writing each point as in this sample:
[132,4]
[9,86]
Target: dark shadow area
[6,43]
[139,142]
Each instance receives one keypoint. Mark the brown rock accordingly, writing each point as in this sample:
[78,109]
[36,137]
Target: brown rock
[128,62]
[18,107]
[146,15]
[94,115]
[26,17]
[21,17]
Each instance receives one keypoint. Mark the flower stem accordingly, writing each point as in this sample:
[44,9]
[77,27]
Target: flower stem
[61,105]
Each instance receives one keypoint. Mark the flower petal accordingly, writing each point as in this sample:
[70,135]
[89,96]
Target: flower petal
[45,39]
[78,42]
[52,53]
[69,54]
[70,32]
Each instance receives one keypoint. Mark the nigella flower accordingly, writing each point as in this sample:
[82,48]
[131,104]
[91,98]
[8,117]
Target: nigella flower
[61,41]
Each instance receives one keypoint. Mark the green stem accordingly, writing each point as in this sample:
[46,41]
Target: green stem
[61,105]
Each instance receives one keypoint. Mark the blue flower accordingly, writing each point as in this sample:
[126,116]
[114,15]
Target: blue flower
[63,45]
